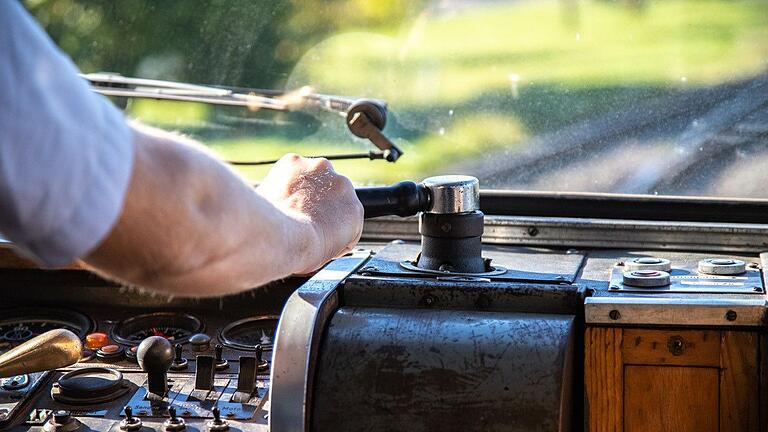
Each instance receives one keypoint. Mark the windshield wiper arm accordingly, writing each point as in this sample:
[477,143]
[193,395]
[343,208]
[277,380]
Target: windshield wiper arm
[365,118]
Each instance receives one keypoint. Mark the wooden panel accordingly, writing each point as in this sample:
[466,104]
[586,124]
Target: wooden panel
[674,399]
[655,347]
[763,365]
[739,395]
[603,379]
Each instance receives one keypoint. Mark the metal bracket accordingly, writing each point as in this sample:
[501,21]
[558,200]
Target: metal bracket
[297,340]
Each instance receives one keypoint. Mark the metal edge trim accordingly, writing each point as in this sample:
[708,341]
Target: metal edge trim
[297,340]
[595,233]
[675,311]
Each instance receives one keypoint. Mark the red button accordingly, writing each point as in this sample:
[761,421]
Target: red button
[97,340]
[110,349]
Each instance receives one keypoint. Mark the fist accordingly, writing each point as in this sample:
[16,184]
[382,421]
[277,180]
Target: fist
[309,190]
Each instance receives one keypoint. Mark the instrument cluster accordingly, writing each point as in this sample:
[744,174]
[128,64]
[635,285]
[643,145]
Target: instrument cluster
[220,364]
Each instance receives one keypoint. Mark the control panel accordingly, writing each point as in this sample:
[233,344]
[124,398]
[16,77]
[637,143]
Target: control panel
[165,370]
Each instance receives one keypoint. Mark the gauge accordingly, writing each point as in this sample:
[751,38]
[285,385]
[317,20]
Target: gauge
[246,333]
[19,325]
[176,327]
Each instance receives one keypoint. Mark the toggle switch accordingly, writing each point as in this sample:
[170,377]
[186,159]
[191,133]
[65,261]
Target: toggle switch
[179,362]
[221,362]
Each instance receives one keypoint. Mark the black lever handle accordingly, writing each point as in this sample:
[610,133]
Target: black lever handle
[401,199]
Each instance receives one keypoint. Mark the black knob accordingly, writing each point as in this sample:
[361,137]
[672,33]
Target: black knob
[155,356]
[216,414]
[128,413]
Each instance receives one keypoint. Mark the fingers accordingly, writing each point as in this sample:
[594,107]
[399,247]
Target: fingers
[313,189]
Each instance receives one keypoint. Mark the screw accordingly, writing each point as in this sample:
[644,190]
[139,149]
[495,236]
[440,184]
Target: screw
[753,265]
[429,300]
[613,287]
[731,315]
[533,231]
[614,314]
[230,414]
[756,289]
[619,263]
[369,269]
[446,227]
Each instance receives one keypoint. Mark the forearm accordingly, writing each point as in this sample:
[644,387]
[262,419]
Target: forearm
[190,226]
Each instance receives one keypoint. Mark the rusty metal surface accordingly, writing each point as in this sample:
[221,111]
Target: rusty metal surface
[464,294]
[522,264]
[440,370]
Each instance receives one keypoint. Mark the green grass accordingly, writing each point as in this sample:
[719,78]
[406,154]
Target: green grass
[485,79]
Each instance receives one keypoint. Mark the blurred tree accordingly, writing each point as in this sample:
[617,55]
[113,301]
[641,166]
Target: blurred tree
[233,42]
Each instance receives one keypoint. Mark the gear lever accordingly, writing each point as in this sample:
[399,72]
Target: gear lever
[50,350]
[450,220]
[155,356]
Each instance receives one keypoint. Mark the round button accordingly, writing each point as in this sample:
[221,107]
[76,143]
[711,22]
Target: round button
[96,340]
[648,263]
[110,353]
[722,266]
[200,342]
[646,278]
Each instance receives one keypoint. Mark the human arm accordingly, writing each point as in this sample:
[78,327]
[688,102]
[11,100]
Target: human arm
[191,226]
[141,206]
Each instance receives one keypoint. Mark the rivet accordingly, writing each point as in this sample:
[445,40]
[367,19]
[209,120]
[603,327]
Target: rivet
[614,314]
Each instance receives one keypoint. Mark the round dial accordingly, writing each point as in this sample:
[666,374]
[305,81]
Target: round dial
[176,327]
[246,333]
[19,325]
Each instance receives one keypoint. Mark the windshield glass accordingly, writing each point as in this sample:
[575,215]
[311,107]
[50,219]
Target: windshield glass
[632,96]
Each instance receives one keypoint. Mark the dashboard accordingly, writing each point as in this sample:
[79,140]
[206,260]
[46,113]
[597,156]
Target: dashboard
[449,321]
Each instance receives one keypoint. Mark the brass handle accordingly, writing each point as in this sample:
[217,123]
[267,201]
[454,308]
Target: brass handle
[50,350]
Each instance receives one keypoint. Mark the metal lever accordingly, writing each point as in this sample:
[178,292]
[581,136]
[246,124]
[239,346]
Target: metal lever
[51,350]
[401,199]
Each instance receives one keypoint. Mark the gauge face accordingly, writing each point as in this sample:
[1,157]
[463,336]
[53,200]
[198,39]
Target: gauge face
[246,333]
[22,324]
[175,327]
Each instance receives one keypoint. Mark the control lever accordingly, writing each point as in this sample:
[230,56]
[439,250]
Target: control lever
[155,356]
[50,350]
[401,199]
[450,220]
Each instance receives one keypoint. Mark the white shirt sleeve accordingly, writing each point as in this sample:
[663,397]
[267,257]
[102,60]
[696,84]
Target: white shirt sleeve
[66,153]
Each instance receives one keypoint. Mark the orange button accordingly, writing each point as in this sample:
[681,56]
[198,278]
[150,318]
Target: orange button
[95,341]
[110,349]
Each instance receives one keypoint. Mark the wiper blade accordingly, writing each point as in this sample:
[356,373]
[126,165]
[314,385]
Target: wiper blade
[365,118]
[371,155]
